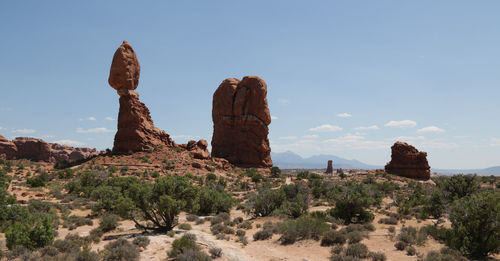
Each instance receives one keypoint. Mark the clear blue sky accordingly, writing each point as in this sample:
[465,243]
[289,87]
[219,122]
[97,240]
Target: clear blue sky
[426,72]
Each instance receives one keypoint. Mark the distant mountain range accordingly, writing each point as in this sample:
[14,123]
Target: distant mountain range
[291,160]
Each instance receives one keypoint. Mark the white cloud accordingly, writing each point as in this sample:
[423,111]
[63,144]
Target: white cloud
[185,137]
[408,138]
[401,124]
[326,127]
[91,118]
[356,142]
[373,127]
[273,117]
[432,144]
[311,136]
[344,115]
[109,118]
[495,142]
[288,138]
[430,129]
[460,137]
[48,136]
[24,131]
[283,101]
[70,142]
[93,130]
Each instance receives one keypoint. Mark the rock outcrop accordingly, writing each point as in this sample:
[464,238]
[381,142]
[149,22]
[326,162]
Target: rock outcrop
[136,130]
[329,167]
[198,149]
[241,118]
[407,161]
[8,149]
[40,150]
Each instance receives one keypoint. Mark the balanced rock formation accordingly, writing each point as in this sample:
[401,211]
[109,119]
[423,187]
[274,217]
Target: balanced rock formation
[329,167]
[136,130]
[241,118]
[407,161]
[198,149]
[8,149]
[40,150]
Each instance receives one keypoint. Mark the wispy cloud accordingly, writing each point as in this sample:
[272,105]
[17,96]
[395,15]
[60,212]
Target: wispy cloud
[356,142]
[48,136]
[70,142]
[93,130]
[311,136]
[283,101]
[109,118]
[185,137]
[408,138]
[430,129]
[91,118]
[401,124]
[344,115]
[326,127]
[288,138]
[274,117]
[372,127]
[24,131]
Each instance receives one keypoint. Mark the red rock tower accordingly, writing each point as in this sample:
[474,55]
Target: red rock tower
[408,162]
[241,118]
[136,130]
[329,167]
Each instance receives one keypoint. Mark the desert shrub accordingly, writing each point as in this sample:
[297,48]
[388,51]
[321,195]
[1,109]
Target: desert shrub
[332,237]
[86,255]
[141,241]
[183,244]
[193,255]
[303,175]
[388,221]
[218,228]
[337,249]
[220,218]
[262,235]
[120,249]
[377,256]
[240,232]
[76,221]
[355,237]
[65,246]
[408,235]
[434,205]
[108,222]
[245,225]
[475,225]
[297,198]
[357,250]
[445,254]
[340,257]
[185,226]
[400,245]
[411,251]
[266,201]
[36,182]
[352,208]
[302,228]
[275,172]
[214,201]
[459,186]
[31,234]
[96,234]
[215,252]
[192,218]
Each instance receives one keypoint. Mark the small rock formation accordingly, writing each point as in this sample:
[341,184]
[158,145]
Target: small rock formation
[136,130]
[241,116]
[408,162]
[40,150]
[32,149]
[329,168]
[198,149]
[8,149]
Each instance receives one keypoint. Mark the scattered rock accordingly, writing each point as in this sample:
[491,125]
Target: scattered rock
[136,130]
[408,162]
[198,149]
[22,201]
[241,118]
[329,168]
[196,164]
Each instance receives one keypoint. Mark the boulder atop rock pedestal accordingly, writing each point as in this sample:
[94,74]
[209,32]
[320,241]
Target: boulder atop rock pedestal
[329,167]
[408,162]
[241,117]
[8,149]
[136,130]
[198,149]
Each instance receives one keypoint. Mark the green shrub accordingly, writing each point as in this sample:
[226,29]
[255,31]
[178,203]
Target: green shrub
[378,256]
[302,228]
[332,237]
[388,221]
[108,222]
[215,252]
[262,235]
[355,237]
[193,255]
[411,251]
[475,225]
[266,201]
[357,250]
[185,226]
[275,172]
[213,201]
[183,244]
[400,245]
[141,241]
[351,208]
[459,186]
[38,234]
[120,249]
[36,182]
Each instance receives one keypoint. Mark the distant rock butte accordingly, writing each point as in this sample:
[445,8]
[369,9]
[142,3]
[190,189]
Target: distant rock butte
[241,118]
[40,150]
[329,167]
[407,161]
[136,130]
